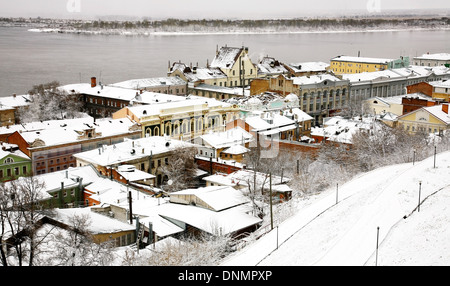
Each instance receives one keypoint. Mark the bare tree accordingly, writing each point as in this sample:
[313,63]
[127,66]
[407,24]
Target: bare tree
[205,250]
[76,246]
[180,169]
[20,209]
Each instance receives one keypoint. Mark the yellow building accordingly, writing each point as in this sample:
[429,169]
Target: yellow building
[236,65]
[231,67]
[432,119]
[183,119]
[441,90]
[382,105]
[350,65]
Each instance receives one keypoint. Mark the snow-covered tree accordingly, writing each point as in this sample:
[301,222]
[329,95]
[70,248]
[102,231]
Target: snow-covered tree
[20,209]
[76,246]
[48,102]
[206,250]
[180,169]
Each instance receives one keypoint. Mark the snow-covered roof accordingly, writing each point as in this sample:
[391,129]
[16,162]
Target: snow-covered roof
[226,57]
[131,150]
[339,129]
[437,56]
[40,125]
[270,123]
[101,91]
[437,111]
[222,222]
[269,65]
[440,83]
[236,150]
[66,131]
[120,93]
[297,114]
[245,178]
[149,82]
[223,89]
[71,177]
[362,60]
[228,138]
[7,149]
[149,97]
[192,102]
[111,192]
[15,100]
[388,100]
[98,223]
[203,73]
[217,197]
[314,79]
[309,66]
[399,73]
[131,174]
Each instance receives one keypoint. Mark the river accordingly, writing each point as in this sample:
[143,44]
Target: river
[30,58]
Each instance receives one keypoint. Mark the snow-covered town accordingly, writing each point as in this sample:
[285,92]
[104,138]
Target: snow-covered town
[238,162]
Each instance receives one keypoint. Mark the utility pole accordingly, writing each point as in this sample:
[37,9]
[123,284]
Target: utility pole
[337,187]
[420,188]
[376,254]
[271,213]
[130,203]
[434,165]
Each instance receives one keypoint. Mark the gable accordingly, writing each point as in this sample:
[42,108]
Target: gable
[421,116]
[11,158]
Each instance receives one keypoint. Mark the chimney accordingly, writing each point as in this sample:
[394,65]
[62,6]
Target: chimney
[445,108]
[93,81]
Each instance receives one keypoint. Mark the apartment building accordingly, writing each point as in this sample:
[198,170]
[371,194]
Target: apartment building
[351,65]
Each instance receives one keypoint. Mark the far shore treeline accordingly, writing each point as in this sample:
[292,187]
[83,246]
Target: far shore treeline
[295,24]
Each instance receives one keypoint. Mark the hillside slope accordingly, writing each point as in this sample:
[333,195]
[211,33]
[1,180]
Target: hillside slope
[346,233]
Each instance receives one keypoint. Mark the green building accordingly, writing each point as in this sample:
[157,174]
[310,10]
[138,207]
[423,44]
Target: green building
[13,163]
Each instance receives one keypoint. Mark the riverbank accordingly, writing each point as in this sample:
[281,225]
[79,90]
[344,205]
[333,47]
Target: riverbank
[227,27]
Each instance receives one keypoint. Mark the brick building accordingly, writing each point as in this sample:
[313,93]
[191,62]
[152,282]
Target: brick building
[52,148]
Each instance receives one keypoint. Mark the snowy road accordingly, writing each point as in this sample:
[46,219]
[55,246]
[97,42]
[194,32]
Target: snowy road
[326,233]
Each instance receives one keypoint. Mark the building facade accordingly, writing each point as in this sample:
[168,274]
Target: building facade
[351,65]
[181,120]
[318,95]
[52,149]
[13,163]
[432,60]
[434,119]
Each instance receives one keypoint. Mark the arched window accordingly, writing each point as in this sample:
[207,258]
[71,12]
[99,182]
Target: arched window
[8,160]
[156,131]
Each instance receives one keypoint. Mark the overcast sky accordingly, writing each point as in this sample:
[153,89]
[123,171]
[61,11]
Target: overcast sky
[200,9]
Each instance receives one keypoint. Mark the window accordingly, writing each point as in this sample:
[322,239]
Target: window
[16,171]
[9,160]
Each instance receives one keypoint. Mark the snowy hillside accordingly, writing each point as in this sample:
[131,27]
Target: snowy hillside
[324,232]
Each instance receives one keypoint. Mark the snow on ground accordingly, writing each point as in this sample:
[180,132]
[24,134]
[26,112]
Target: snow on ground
[324,232]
